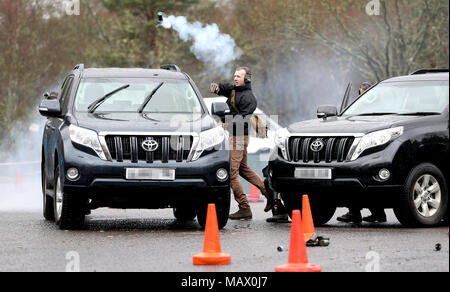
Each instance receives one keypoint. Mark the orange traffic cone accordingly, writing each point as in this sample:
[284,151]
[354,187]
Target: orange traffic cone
[308,223]
[298,259]
[255,195]
[18,180]
[212,254]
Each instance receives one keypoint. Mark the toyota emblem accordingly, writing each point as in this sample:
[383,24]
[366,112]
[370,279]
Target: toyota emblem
[150,145]
[317,146]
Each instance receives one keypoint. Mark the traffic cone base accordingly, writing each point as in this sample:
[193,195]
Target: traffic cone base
[299,268]
[212,259]
[212,253]
[298,258]
[308,236]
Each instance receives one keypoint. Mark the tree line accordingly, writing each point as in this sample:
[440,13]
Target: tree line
[302,53]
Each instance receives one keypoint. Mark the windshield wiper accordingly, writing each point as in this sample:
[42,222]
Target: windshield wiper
[145,116]
[420,114]
[375,114]
[147,99]
[93,106]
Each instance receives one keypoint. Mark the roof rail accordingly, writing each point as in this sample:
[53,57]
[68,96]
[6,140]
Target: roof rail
[79,66]
[426,71]
[171,67]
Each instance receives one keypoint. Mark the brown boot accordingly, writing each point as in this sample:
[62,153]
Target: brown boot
[241,214]
[280,218]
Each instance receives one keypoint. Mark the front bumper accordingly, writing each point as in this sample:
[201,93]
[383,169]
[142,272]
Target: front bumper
[104,182]
[352,181]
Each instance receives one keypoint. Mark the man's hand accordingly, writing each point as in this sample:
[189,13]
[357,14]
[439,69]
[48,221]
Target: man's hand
[214,88]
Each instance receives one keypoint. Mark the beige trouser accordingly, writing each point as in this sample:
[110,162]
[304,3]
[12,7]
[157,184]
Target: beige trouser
[239,166]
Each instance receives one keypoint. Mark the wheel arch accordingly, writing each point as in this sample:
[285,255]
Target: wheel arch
[410,156]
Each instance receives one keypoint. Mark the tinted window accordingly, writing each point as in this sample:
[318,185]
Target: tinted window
[66,94]
[66,88]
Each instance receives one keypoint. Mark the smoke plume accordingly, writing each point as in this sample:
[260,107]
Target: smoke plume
[215,49]
[20,173]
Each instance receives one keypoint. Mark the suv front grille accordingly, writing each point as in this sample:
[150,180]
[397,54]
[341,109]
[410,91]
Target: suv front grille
[334,149]
[129,148]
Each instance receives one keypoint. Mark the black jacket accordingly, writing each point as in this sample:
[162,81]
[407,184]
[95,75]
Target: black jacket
[245,102]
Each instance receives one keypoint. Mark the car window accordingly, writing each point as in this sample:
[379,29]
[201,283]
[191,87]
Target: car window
[66,94]
[403,97]
[174,96]
[64,83]
[66,89]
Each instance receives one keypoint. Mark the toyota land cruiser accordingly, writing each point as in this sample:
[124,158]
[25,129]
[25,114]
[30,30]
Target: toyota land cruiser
[388,149]
[132,138]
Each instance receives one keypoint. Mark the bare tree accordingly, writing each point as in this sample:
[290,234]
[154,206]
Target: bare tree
[405,36]
[37,44]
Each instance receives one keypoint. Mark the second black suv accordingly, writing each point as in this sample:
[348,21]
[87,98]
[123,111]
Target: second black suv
[388,149]
[132,138]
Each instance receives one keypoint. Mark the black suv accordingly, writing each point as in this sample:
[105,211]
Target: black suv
[388,149]
[132,138]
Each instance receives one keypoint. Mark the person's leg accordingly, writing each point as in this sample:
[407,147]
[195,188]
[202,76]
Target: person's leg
[378,215]
[236,155]
[279,213]
[353,215]
[248,174]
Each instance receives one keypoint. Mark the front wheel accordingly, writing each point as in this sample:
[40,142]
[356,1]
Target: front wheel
[424,200]
[47,201]
[69,209]
[321,212]
[222,203]
[184,213]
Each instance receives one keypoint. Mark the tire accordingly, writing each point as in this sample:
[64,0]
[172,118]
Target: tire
[222,208]
[185,213]
[69,210]
[321,213]
[291,201]
[47,201]
[424,201]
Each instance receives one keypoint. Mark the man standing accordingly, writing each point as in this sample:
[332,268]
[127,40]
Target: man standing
[364,87]
[242,104]
[354,213]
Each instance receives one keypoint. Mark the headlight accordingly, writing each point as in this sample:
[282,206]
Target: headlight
[86,138]
[376,139]
[281,137]
[209,139]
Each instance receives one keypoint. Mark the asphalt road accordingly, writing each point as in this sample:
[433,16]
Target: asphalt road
[152,240]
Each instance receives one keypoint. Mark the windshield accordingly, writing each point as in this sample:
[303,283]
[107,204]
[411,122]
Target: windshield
[174,96]
[402,98]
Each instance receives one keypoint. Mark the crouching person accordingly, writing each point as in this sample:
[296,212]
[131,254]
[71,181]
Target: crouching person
[274,203]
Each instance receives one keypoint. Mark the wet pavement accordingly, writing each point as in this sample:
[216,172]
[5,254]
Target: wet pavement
[152,240]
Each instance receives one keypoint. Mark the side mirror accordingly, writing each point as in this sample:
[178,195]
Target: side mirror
[50,108]
[220,109]
[326,111]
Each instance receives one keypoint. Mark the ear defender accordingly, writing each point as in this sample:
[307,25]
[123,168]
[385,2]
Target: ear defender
[248,75]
